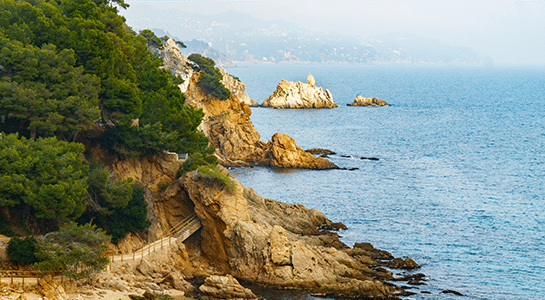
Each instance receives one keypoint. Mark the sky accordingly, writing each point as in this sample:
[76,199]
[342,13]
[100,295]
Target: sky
[510,32]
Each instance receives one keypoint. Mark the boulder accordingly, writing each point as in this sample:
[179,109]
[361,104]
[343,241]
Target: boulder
[290,94]
[360,101]
[283,152]
[224,287]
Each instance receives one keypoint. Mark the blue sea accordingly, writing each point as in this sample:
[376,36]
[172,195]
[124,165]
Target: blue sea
[460,181]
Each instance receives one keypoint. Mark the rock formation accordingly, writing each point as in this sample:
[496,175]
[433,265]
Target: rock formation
[237,87]
[360,101]
[227,124]
[273,243]
[289,94]
[175,61]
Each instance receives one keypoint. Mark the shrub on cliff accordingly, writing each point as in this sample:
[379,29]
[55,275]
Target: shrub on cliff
[214,174]
[211,77]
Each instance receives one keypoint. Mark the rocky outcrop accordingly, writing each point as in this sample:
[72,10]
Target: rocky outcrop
[289,94]
[175,61]
[283,152]
[237,87]
[227,124]
[224,287]
[360,101]
[273,243]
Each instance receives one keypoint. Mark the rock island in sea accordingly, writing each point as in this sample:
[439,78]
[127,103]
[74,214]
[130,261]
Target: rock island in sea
[360,101]
[290,94]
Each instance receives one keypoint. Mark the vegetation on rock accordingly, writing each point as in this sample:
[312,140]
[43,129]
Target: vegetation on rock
[211,77]
[214,174]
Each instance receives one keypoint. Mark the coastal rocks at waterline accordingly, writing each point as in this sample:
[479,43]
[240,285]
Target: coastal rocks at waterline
[272,243]
[360,101]
[228,126]
[289,94]
[237,87]
[283,152]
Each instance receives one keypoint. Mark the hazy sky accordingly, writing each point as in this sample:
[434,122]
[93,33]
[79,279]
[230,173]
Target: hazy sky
[511,32]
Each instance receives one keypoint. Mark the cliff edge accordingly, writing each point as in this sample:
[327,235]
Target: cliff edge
[228,126]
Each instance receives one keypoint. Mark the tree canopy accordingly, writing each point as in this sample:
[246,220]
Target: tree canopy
[65,64]
[46,175]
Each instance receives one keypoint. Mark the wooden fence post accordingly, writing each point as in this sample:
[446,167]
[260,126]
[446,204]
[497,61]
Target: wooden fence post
[133,255]
[161,243]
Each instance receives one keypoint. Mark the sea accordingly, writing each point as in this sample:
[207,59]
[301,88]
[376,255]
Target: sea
[459,184]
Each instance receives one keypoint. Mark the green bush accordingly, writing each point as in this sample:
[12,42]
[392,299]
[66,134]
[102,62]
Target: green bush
[210,79]
[23,251]
[214,174]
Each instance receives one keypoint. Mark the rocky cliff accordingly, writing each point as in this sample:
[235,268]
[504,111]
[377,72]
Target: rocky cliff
[175,61]
[289,94]
[237,87]
[360,101]
[243,235]
[227,124]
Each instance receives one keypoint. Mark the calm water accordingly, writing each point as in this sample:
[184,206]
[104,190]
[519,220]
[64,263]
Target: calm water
[460,184]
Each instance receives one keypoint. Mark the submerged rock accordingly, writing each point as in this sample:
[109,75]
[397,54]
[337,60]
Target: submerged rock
[360,101]
[289,94]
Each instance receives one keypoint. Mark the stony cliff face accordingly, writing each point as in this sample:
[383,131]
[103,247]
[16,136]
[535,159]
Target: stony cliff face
[227,124]
[273,243]
[360,101]
[175,61]
[289,94]
[236,87]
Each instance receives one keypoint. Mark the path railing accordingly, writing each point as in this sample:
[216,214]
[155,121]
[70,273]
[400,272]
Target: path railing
[180,231]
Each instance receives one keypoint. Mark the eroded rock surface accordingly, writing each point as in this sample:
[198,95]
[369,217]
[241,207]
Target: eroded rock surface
[273,243]
[237,87]
[175,61]
[290,94]
[360,101]
[228,126]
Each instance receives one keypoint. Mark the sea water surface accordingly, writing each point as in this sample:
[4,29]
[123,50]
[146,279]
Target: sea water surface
[460,181]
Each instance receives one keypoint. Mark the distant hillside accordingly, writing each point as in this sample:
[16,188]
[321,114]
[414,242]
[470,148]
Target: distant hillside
[242,38]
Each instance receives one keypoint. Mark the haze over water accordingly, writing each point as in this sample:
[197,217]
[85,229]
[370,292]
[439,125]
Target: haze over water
[459,186]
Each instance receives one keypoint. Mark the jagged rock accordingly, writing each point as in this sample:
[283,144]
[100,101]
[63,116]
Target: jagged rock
[175,61]
[224,287]
[145,267]
[285,153]
[289,94]
[360,101]
[399,263]
[50,289]
[227,124]
[264,241]
[176,281]
[236,87]
[320,151]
